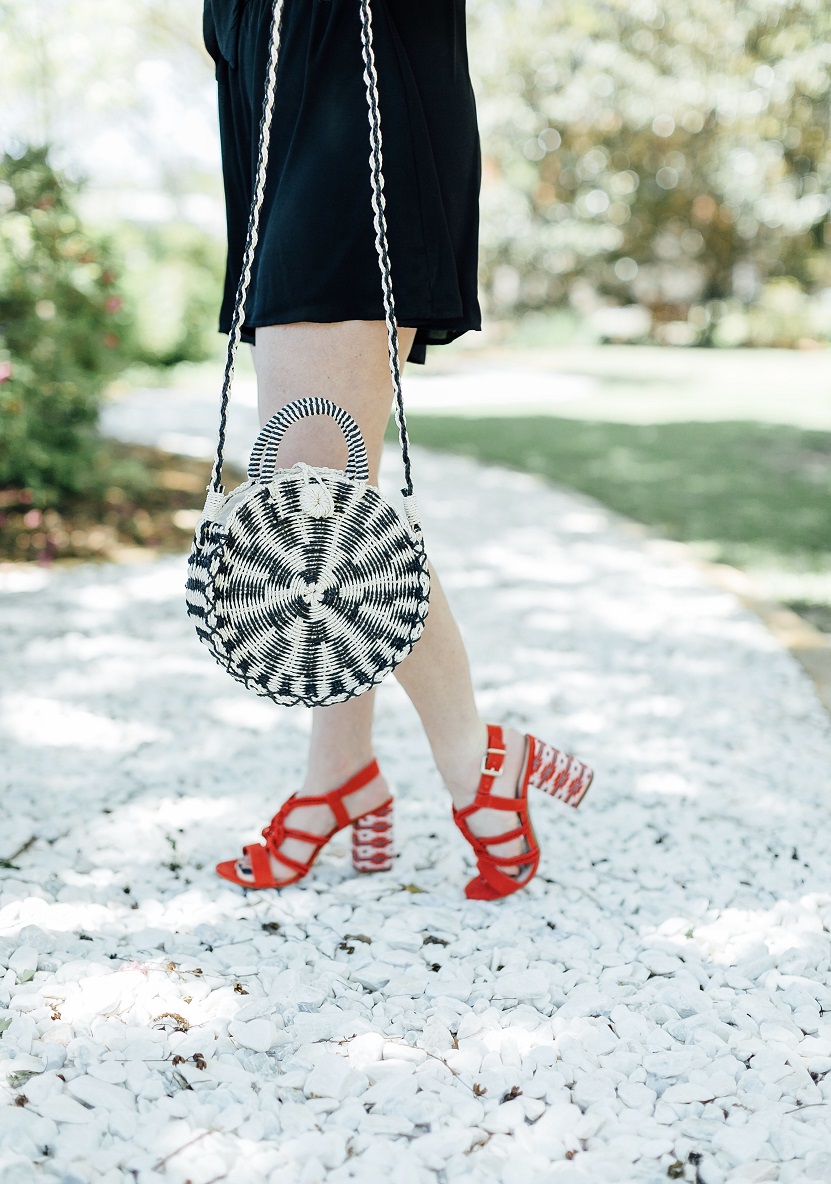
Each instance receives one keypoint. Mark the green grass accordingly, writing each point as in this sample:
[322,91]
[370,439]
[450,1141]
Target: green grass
[754,495]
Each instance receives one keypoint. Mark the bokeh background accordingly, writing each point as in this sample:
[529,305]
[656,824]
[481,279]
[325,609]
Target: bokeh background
[656,240]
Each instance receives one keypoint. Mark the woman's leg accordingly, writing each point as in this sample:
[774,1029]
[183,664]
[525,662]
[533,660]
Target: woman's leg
[347,361]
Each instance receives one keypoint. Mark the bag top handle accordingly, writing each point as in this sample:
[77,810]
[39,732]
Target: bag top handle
[264,452]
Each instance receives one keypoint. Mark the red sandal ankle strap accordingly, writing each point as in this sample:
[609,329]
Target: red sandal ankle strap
[493,759]
[333,798]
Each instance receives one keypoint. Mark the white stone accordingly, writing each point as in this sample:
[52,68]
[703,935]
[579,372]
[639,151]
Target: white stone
[674,1063]
[24,963]
[448,989]
[505,1118]
[26,1001]
[39,939]
[410,985]
[636,1096]
[330,1078]
[741,1144]
[373,975]
[435,1038]
[100,1093]
[469,1025]
[755,1173]
[258,1035]
[522,985]
[15,1169]
[366,1049]
[687,1091]
[45,1085]
[818,1165]
[395,1050]
[594,1087]
[64,1109]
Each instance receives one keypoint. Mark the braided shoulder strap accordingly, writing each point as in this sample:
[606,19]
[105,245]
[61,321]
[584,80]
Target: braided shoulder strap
[215,490]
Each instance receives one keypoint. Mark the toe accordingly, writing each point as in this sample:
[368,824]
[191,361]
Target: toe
[230,870]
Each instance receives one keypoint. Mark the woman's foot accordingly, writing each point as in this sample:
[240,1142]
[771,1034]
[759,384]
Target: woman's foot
[498,809]
[318,820]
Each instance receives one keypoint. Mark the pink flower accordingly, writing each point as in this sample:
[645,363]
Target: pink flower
[113,303]
[5,371]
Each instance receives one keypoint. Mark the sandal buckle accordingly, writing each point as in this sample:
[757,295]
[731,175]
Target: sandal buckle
[483,768]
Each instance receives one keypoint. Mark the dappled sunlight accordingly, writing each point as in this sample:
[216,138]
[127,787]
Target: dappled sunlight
[665,783]
[669,944]
[244,713]
[790,937]
[39,722]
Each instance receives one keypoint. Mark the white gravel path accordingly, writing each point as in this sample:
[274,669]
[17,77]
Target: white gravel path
[654,1006]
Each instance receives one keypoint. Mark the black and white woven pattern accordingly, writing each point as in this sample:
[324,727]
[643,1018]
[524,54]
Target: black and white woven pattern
[304,583]
[264,452]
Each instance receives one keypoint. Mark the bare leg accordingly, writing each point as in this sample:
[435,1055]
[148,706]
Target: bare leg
[347,362]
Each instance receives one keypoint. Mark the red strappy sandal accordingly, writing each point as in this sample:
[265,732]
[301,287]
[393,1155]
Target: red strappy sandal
[546,768]
[372,843]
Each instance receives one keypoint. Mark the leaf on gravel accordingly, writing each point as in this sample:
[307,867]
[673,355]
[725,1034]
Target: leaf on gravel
[180,1024]
[15,1080]
[26,976]
[413,888]
[357,937]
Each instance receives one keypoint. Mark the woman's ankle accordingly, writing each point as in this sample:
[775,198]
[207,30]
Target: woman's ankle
[460,761]
[462,778]
[326,774]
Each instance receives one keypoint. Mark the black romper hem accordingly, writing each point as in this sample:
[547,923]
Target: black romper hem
[316,236]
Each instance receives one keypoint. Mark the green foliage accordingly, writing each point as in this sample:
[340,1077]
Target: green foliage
[64,332]
[172,280]
[675,155]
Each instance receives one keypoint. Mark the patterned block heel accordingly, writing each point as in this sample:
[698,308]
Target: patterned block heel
[557,773]
[544,767]
[261,875]
[373,849]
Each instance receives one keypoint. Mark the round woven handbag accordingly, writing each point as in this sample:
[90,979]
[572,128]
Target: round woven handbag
[306,585]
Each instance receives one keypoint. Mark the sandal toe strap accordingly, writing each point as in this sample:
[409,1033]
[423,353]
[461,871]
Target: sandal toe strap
[503,884]
[261,875]
[261,865]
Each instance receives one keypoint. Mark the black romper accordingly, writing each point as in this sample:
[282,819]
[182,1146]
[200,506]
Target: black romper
[316,258]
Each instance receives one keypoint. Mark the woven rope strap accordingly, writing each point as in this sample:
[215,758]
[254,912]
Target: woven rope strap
[381,245]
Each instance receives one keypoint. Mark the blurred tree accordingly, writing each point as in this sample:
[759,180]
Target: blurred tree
[64,332]
[676,155]
[670,154]
[123,93]
[172,283]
